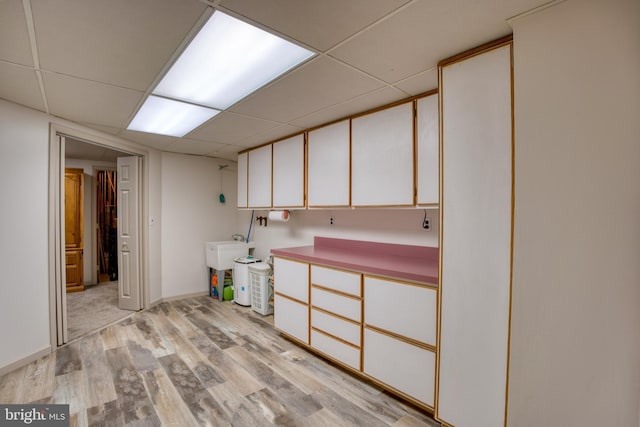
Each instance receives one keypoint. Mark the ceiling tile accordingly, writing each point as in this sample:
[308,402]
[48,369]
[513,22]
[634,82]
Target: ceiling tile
[228,127]
[86,101]
[106,129]
[229,152]
[309,21]
[268,136]
[318,84]
[121,42]
[418,36]
[421,82]
[24,88]
[189,146]
[363,103]
[14,37]
[159,142]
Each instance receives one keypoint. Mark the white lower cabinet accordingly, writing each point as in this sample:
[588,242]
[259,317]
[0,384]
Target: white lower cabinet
[403,366]
[344,306]
[384,328]
[333,325]
[291,317]
[336,349]
[402,308]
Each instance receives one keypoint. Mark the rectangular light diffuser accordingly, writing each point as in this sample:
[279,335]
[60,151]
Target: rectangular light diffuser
[226,61]
[168,117]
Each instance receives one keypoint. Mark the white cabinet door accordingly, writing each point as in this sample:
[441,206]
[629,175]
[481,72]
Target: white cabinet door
[242,180]
[328,159]
[338,280]
[476,238]
[350,308]
[338,350]
[382,158]
[259,177]
[428,158]
[401,365]
[291,317]
[291,278]
[402,308]
[333,325]
[288,172]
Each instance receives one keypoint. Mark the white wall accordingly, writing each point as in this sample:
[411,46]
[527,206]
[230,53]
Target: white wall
[24,185]
[154,189]
[90,257]
[24,274]
[191,216]
[575,355]
[402,226]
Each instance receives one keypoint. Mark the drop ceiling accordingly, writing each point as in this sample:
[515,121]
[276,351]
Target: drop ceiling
[93,61]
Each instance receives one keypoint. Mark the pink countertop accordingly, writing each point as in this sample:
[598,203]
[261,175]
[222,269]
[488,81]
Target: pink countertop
[407,262]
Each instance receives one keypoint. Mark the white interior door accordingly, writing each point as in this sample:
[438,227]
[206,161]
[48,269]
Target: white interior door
[129,289]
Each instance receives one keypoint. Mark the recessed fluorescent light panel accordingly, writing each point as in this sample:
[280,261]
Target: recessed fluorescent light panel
[226,61]
[168,117]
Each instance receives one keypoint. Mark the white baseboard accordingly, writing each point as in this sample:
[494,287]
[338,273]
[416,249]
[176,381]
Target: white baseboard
[24,361]
[183,296]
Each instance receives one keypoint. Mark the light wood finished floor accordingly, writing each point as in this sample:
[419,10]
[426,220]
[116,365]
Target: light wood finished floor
[201,362]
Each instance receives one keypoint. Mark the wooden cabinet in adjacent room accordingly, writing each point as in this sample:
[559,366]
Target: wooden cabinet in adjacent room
[74,224]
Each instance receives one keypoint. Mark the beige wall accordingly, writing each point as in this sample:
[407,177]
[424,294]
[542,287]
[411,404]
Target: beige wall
[575,355]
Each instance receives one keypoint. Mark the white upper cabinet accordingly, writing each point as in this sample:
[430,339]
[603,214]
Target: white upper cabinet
[382,158]
[288,173]
[328,166]
[259,177]
[242,180]
[427,150]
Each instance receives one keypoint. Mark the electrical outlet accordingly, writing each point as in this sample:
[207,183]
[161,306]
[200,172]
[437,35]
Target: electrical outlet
[426,223]
[331,221]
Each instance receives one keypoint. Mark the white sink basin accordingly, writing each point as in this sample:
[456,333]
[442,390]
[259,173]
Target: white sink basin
[220,255]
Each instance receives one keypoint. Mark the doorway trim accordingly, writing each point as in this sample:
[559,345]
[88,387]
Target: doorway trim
[56,223]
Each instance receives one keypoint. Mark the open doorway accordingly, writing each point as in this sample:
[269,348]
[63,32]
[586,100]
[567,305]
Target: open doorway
[91,257]
[88,292]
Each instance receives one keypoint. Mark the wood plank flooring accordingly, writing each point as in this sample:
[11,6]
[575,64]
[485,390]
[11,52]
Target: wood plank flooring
[199,362]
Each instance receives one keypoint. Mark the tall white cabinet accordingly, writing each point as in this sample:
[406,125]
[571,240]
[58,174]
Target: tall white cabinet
[476,232]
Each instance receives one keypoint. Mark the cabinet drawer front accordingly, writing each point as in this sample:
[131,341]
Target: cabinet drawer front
[340,328]
[338,280]
[403,366]
[338,304]
[292,318]
[405,309]
[291,278]
[338,350]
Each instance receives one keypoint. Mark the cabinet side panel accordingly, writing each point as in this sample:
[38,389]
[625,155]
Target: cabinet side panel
[476,239]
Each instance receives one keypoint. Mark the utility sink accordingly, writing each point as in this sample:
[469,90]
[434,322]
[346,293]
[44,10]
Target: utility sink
[220,255]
